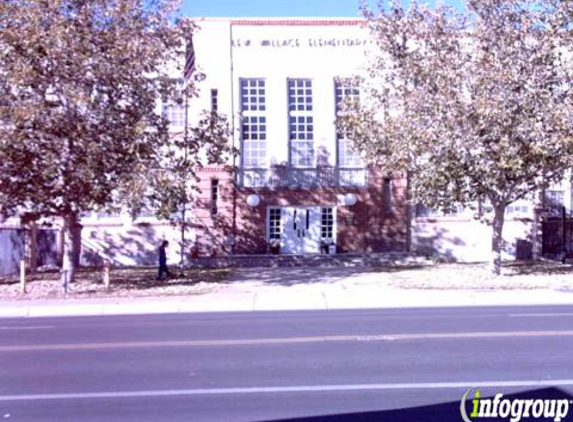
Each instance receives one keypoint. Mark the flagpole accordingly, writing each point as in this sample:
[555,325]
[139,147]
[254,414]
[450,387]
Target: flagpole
[185,152]
[236,174]
[187,72]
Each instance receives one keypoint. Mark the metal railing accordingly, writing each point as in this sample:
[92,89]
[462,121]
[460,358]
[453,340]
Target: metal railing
[289,177]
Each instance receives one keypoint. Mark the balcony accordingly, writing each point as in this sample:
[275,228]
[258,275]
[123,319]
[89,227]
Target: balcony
[289,177]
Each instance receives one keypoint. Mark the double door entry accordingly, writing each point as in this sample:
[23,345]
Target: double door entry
[300,229]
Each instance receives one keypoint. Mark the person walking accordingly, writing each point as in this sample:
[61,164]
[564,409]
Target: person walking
[163,261]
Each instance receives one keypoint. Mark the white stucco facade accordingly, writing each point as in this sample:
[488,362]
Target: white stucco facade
[278,50]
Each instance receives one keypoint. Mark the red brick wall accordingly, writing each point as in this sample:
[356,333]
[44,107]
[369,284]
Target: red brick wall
[368,226]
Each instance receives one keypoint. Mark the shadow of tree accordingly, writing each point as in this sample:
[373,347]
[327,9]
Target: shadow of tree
[129,278]
[398,268]
[145,278]
[135,244]
[292,276]
[548,268]
[435,241]
[11,250]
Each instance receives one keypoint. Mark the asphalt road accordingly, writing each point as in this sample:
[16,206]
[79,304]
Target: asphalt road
[379,365]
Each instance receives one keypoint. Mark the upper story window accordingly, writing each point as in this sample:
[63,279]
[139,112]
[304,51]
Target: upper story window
[173,110]
[175,114]
[300,95]
[346,90]
[347,154]
[215,100]
[301,122]
[253,95]
[517,208]
[254,122]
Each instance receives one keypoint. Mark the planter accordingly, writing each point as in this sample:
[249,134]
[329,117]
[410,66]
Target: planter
[274,249]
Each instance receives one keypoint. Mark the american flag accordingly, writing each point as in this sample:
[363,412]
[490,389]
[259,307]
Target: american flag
[189,59]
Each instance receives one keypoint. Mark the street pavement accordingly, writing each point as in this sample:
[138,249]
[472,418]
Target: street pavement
[405,364]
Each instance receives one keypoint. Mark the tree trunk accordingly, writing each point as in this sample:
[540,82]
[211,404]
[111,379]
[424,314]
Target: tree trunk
[32,247]
[409,212]
[497,237]
[69,252]
[182,249]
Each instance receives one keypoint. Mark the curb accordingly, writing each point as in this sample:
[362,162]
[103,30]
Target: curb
[284,300]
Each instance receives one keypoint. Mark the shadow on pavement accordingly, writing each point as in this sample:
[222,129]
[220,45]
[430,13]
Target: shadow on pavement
[443,412]
[547,268]
[283,276]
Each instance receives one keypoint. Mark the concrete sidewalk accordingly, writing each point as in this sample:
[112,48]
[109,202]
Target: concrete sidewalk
[248,292]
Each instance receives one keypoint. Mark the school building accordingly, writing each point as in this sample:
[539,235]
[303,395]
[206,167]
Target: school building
[296,185]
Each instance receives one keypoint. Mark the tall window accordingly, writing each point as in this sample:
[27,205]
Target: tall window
[215,100]
[346,90]
[301,122]
[173,111]
[274,224]
[175,114]
[387,194]
[214,196]
[327,223]
[254,122]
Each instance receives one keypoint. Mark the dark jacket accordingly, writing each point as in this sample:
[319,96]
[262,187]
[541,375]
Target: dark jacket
[162,256]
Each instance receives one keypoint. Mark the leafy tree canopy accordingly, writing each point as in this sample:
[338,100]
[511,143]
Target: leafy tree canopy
[80,82]
[474,104]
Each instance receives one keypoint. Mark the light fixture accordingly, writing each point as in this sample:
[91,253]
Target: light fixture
[350,199]
[253,200]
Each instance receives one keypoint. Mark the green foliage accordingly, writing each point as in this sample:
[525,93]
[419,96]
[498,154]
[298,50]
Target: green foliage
[168,190]
[80,130]
[473,104]
[79,84]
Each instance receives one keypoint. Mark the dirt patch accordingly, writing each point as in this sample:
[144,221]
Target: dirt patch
[125,282]
[525,275]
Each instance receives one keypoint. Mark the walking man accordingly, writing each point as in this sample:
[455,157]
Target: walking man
[163,261]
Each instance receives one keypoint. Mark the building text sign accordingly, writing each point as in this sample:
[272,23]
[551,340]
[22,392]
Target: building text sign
[299,42]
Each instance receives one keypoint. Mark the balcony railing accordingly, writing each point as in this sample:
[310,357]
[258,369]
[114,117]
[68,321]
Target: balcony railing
[316,177]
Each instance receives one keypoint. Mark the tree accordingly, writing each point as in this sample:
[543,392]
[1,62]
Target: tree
[169,189]
[474,105]
[79,82]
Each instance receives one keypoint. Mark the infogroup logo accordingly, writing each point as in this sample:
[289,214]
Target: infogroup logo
[512,409]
